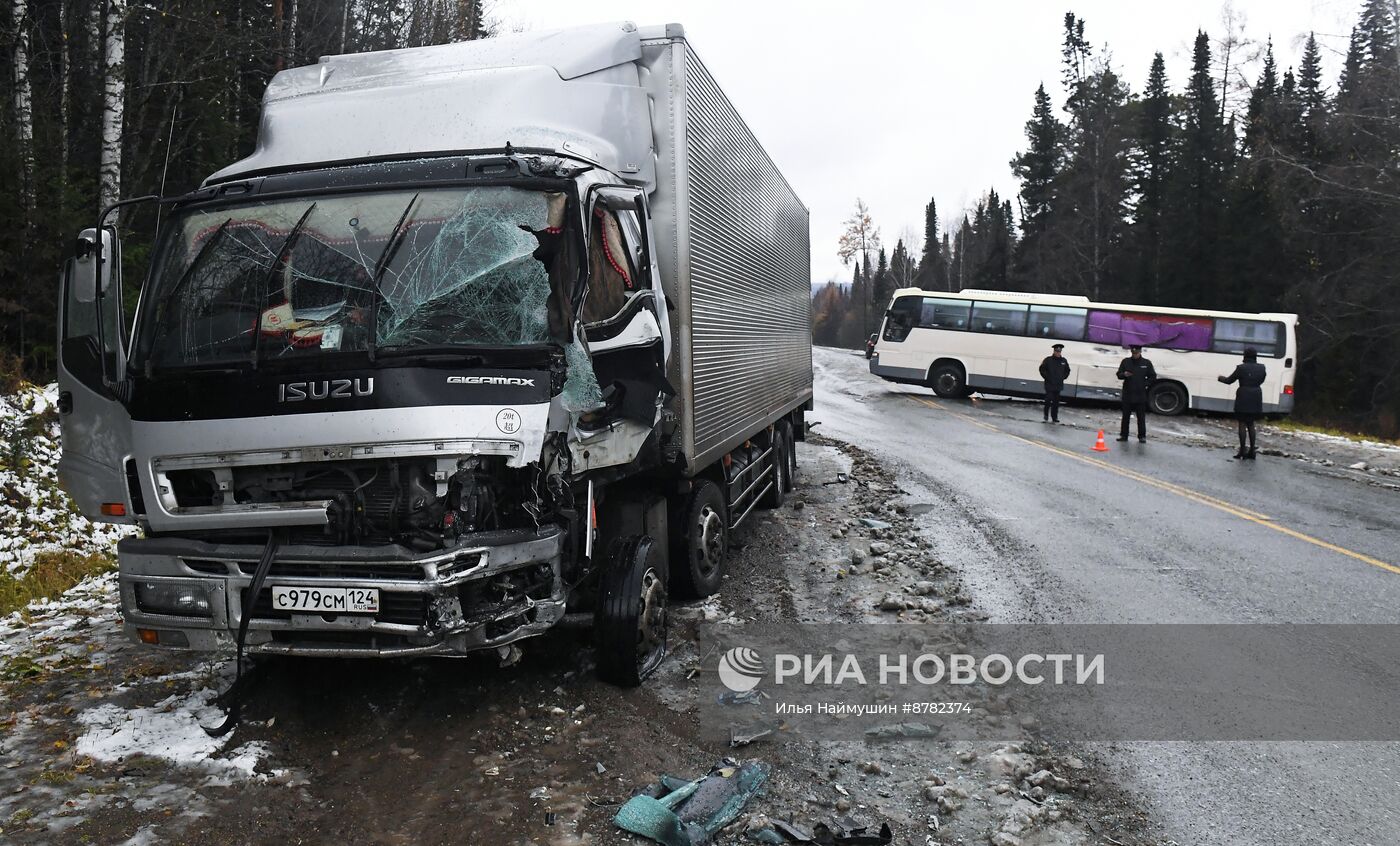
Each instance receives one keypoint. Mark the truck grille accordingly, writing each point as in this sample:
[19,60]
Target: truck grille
[338,570]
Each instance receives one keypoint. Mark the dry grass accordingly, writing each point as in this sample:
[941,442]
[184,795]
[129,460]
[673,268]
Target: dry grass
[11,373]
[48,577]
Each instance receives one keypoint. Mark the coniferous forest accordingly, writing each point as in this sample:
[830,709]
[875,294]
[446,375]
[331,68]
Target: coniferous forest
[1279,191]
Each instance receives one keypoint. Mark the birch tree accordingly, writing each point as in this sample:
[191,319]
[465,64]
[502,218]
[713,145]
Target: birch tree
[24,107]
[65,105]
[109,169]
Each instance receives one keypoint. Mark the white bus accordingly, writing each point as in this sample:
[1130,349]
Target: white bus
[993,342]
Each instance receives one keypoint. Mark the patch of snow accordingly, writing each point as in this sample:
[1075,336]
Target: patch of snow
[53,621]
[144,836]
[35,514]
[172,731]
[1322,437]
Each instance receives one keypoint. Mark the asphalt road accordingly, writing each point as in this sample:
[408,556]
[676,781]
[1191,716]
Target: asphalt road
[1171,531]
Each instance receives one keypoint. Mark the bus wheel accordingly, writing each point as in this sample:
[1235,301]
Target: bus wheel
[947,381]
[700,543]
[1167,399]
[630,626]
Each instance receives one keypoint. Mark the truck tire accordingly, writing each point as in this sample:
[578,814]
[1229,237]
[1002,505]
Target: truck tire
[700,543]
[781,482]
[630,624]
[1167,399]
[948,381]
[786,429]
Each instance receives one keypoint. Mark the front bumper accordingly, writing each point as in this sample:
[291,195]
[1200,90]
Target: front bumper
[492,590]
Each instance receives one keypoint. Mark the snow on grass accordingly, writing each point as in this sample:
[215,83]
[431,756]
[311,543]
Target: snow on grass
[35,514]
[171,730]
[48,626]
[83,625]
[1327,438]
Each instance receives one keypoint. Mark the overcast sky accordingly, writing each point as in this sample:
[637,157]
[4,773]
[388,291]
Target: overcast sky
[897,102]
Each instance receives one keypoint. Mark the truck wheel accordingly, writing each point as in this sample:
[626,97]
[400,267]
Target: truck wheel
[786,429]
[781,482]
[948,381]
[1167,399]
[630,623]
[701,543]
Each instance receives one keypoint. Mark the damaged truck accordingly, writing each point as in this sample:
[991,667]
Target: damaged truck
[480,336]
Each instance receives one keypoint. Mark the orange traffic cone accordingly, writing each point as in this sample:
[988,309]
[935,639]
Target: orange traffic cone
[1099,445]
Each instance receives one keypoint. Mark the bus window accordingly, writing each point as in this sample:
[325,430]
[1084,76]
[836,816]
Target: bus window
[1064,324]
[1232,336]
[1167,330]
[999,318]
[1106,327]
[903,316]
[939,313]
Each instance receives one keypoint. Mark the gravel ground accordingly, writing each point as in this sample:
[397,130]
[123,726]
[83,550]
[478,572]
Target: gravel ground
[102,741]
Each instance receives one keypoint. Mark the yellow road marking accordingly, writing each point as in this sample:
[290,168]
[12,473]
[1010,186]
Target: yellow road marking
[1196,496]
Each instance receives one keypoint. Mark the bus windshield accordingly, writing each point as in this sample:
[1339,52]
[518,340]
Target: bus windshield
[373,270]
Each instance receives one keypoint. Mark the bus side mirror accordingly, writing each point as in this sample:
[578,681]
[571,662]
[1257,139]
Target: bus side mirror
[83,284]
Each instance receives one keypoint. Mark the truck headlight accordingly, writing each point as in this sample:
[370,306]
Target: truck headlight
[186,600]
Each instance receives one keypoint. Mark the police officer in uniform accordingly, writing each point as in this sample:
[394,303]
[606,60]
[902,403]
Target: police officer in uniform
[1054,370]
[1137,374]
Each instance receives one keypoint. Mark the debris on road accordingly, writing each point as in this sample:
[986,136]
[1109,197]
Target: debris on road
[740,737]
[676,812]
[779,832]
[902,731]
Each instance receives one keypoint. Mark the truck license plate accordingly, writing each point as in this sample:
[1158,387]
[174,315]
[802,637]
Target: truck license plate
[326,600]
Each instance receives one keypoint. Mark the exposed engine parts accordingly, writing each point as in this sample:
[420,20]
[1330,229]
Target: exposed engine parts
[471,500]
[404,501]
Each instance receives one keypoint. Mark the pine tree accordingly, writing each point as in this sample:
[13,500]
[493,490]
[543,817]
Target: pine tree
[880,285]
[993,241]
[1150,172]
[1312,100]
[960,270]
[1310,86]
[945,252]
[1258,248]
[1261,117]
[1092,189]
[1037,169]
[903,270]
[1040,163]
[1076,51]
[1196,193]
[933,263]
[1349,83]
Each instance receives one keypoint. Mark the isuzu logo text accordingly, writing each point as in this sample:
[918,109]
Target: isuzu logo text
[325,389]
[490,380]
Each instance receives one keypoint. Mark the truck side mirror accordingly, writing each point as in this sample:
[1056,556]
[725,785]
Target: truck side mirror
[83,283]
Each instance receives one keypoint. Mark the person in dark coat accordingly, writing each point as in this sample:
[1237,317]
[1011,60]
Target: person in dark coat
[1137,374]
[1054,370]
[1249,399]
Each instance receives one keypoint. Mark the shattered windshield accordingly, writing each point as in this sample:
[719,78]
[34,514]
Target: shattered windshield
[388,270]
